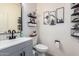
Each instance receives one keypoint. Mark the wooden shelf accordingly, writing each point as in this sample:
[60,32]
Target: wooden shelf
[74,21]
[75,6]
[74,35]
[74,14]
[33,35]
[32,16]
[75,28]
[32,25]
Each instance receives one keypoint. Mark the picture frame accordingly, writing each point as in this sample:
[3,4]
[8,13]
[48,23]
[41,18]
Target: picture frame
[60,15]
[52,17]
[46,18]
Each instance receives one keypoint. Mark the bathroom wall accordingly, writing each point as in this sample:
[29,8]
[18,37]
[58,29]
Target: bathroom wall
[50,33]
[26,9]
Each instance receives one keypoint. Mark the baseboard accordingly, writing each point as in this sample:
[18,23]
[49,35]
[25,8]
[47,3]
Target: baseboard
[48,54]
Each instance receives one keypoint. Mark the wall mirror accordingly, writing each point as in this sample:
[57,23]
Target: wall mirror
[10,17]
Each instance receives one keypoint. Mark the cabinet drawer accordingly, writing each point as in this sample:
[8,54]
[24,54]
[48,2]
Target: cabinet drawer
[16,53]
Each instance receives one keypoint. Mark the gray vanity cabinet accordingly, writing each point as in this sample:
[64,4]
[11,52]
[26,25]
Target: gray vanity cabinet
[26,51]
[9,53]
[22,49]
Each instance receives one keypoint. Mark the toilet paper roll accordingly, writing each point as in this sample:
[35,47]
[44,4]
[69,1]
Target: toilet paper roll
[57,44]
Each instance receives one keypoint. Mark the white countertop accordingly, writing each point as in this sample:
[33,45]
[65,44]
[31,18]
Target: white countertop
[8,43]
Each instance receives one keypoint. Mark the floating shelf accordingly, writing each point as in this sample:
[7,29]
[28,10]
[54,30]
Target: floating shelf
[33,35]
[32,16]
[74,21]
[74,35]
[74,14]
[32,25]
[75,6]
[75,28]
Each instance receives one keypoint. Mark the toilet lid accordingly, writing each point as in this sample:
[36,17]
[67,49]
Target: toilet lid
[41,46]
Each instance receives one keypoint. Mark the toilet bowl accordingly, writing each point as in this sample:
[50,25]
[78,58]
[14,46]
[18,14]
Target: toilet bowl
[42,49]
[39,49]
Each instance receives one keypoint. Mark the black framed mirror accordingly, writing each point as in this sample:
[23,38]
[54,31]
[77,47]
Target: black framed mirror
[11,18]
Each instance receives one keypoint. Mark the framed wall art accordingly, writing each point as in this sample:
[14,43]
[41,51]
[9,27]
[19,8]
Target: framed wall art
[60,15]
[52,17]
[46,17]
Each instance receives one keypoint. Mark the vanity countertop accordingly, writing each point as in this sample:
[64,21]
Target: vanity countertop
[8,43]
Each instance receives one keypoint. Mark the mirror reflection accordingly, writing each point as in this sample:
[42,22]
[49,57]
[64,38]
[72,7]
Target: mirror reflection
[10,17]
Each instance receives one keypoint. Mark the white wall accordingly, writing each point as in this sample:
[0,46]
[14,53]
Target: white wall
[50,33]
[26,9]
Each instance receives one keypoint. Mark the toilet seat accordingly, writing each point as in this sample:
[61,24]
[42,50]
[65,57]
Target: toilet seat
[41,48]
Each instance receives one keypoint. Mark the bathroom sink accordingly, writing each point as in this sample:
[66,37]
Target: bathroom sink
[7,43]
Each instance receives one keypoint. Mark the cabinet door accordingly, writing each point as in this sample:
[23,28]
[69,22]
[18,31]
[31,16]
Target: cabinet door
[17,53]
[10,54]
[28,51]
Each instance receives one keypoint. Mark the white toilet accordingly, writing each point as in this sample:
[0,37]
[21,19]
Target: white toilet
[40,48]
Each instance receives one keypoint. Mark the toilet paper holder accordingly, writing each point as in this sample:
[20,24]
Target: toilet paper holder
[57,41]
